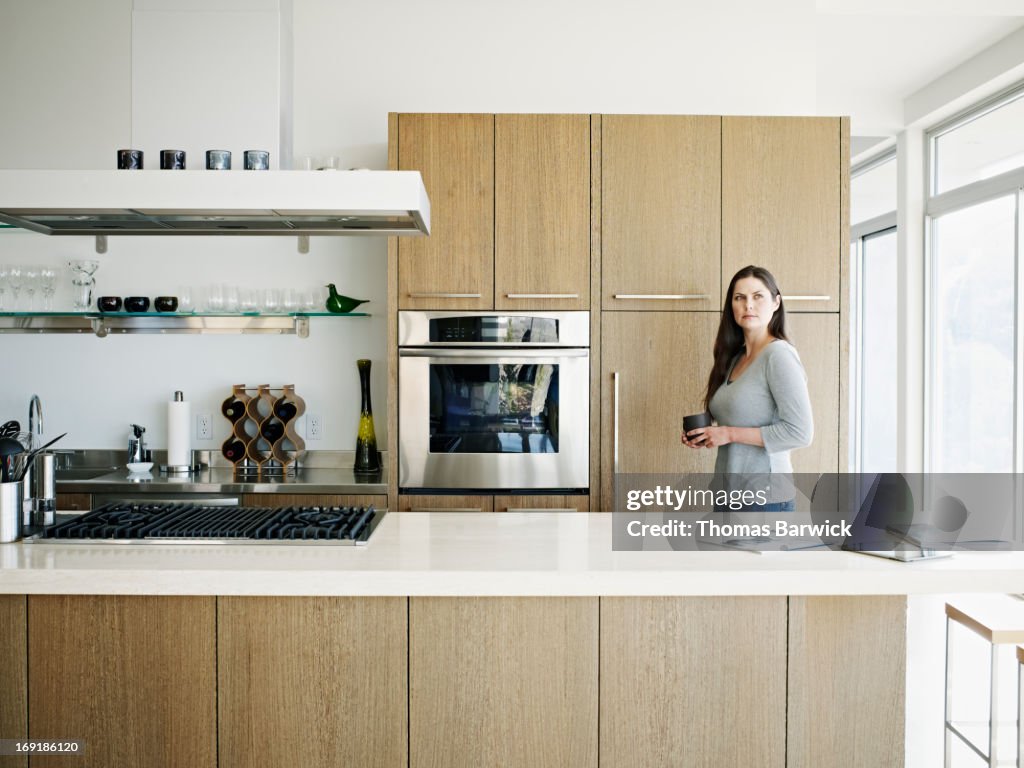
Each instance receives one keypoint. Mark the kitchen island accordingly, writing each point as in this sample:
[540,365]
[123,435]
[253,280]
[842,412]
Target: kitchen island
[464,640]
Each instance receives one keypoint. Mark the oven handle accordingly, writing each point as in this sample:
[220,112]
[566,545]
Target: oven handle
[495,353]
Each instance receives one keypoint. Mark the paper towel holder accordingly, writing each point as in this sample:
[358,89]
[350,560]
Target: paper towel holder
[182,469]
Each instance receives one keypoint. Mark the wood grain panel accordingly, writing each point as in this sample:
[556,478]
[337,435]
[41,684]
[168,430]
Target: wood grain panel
[391,454]
[853,715]
[663,360]
[596,139]
[661,210]
[816,337]
[552,502]
[13,675]
[312,682]
[313,500]
[693,681]
[455,155]
[445,503]
[844,294]
[781,204]
[74,502]
[542,210]
[134,677]
[508,682]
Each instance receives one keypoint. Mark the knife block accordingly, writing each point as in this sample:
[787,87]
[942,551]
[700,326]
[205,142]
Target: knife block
[263,439]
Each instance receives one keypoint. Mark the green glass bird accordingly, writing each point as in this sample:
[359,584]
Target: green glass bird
[341,304]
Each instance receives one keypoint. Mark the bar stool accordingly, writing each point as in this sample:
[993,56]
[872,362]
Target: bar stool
[999,619]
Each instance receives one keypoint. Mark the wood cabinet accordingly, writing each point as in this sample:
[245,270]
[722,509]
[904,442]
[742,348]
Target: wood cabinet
[661,362]
[380,501]
[510,212]
[454,267]
[661,193]
[132,676]
[317,682]
[854,716]
[503,681]
[781,182]
[74,502]
[816,336]
[684,681]
[13,675]
[542,212]
[496,503]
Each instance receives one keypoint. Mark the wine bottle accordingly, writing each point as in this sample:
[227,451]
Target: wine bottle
[367,459]
[272,430]
[232,409]
[284,410]
[233,450]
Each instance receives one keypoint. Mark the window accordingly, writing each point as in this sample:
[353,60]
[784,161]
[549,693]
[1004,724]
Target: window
[985,144]
[975,275]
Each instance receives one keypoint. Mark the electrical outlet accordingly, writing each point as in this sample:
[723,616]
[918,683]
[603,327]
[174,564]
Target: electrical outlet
[314,426]
[204,427]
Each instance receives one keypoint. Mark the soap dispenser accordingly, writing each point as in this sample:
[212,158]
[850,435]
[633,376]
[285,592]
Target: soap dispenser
[137,445]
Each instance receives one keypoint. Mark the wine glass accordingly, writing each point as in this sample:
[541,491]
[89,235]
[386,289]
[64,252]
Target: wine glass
[30,283]
[82,271]
[48,286]
[15,278]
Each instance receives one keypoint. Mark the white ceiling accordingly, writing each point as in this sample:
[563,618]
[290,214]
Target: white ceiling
[871,55]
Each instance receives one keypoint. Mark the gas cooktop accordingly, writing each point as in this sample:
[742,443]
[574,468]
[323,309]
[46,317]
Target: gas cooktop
[193,523]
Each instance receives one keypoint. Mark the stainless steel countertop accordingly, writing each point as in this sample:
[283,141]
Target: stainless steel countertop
[326,472]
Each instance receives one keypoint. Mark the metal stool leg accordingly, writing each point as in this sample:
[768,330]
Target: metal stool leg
[948,751]
[993,709]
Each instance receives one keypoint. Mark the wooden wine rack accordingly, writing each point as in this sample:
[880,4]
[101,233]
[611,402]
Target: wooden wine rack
[263,439]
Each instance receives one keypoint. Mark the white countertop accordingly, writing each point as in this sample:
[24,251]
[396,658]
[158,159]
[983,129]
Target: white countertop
[485,554]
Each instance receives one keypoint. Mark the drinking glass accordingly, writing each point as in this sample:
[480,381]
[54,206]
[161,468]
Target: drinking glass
[15,279]
[184,299]
[290,302]
[48,286]
[215,298]
[271,300]
[4,273]
[82,271]
[30,277]
[311,300]
[230,298]
[247,300]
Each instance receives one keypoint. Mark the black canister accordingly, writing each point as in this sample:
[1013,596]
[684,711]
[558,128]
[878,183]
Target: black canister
[257,160]
[218,160]
[129,159]
[172,160]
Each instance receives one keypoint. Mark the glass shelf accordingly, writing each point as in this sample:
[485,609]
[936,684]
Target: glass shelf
[105,323]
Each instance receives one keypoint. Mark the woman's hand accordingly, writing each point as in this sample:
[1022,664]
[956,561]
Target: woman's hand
[707,437]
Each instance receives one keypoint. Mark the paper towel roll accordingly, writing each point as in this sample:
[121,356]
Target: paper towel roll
[179,450]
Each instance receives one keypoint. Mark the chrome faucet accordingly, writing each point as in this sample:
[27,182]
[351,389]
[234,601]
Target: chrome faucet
[35,407]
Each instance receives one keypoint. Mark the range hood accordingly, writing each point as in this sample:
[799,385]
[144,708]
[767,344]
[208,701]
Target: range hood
[215,202]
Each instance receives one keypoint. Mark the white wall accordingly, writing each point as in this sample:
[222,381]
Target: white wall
[353,63]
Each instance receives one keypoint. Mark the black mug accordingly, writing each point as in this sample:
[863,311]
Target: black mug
[136,304]
[129,159]
[109,303]
[172,159]
[696,421]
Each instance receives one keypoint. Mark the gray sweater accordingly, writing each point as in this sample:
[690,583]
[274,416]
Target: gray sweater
[771,394]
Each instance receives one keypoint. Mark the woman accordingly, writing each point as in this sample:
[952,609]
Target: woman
[757,391]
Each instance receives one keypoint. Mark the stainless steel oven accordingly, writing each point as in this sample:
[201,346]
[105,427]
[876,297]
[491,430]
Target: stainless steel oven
[493,400]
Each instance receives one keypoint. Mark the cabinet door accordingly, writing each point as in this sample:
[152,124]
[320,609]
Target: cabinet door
[316,682]
[132,676]
[445,503]
[13,675]
[662,360]
[816,337]
[454,267]
[781,181]
[507,681]
[548,503]
[542,212]
[661,215]
[693,681]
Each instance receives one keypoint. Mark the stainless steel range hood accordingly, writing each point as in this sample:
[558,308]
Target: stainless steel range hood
[216,202]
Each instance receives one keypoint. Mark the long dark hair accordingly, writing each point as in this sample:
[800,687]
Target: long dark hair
[729,340]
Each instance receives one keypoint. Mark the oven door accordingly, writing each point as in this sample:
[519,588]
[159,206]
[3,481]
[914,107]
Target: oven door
[493,419]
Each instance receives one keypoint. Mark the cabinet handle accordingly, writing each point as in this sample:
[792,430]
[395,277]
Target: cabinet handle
[663,296]
[446,509]
[444,295]
[542,295]
[615,423]
[806,298]
[539,509]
